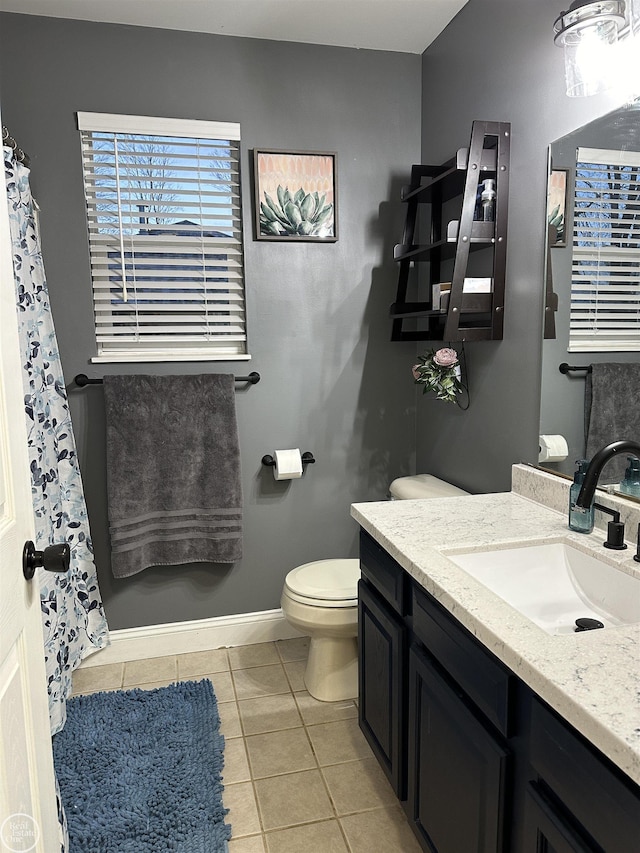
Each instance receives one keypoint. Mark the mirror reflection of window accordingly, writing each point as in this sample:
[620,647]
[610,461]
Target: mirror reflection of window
[605,275]
[564,399]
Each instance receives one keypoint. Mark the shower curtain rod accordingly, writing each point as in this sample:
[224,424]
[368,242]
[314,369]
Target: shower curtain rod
[82,379]
[21,156]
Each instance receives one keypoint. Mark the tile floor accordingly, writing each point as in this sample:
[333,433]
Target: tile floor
[299,776]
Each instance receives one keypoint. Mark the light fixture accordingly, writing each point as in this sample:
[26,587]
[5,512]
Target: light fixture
[589,33]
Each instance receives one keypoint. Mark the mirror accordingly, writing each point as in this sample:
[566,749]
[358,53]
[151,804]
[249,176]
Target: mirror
[562,406]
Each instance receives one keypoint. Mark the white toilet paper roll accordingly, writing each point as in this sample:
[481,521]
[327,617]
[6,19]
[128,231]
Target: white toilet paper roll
[288,464]
[553,448]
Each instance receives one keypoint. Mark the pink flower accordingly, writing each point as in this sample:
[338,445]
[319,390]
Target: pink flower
[446,357]
[416,372]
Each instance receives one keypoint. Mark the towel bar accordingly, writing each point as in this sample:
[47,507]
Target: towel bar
[82,379]
[581,368]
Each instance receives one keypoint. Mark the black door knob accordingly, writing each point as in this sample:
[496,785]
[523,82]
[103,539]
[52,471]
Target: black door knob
[55,558]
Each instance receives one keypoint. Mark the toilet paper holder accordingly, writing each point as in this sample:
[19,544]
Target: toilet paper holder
[307,459]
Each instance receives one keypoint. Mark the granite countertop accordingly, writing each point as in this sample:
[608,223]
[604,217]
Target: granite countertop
[592,678]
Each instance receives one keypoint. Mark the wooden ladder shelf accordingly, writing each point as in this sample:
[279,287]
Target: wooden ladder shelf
[453,189]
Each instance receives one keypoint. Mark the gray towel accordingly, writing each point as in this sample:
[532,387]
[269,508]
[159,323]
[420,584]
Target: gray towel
[173,471]
[612,412]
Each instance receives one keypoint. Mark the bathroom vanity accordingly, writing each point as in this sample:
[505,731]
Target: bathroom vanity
[495,735]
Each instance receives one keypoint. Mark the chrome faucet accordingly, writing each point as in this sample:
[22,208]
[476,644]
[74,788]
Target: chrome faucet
[592,474]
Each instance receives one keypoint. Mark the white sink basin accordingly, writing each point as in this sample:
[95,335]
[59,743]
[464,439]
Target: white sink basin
[555,584]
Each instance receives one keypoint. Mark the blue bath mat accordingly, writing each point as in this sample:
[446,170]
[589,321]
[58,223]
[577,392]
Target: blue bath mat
[139,771]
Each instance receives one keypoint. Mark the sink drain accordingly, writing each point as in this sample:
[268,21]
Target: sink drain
[587,624]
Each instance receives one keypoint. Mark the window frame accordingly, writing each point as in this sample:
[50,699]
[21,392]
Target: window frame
[605,264]
[222,307]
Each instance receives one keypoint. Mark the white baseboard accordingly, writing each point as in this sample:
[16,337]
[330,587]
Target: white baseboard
[200,635]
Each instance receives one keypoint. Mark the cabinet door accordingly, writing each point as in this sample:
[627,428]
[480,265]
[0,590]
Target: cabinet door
[457,769]
[546,831]
[382,652]
[595,796]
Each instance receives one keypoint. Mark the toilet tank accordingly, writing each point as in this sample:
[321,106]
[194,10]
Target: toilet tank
[422,486]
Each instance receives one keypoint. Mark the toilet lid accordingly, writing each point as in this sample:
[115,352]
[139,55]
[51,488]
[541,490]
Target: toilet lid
[325,580]
[423,486]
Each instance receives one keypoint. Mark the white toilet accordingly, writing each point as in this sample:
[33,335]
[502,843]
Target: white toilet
[320,599]
[422,486]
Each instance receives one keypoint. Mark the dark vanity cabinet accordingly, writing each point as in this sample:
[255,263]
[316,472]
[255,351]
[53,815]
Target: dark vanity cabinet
[442,746]
[576,801]
[459,758]
[383,644]
[457,770]
[479,762]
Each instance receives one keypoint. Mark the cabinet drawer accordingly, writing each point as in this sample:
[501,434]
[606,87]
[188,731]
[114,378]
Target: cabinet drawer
[480,675]
[593,791]
[382,572]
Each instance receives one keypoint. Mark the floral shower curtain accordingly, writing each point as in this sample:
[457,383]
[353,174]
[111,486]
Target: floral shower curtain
[73,617]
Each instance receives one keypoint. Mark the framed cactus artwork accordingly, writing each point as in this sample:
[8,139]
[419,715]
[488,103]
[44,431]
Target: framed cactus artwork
[295,195]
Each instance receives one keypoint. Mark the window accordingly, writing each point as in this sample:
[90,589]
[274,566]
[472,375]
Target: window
[165,237]
[605,278]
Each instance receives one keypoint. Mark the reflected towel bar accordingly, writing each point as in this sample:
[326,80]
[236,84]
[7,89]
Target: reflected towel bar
[82,379]
[581,368]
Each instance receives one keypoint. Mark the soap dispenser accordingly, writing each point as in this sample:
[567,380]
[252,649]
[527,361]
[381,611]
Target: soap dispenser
[488,199]
[581,522]
[631,483]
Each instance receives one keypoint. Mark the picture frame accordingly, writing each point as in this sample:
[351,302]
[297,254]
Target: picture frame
[557,207]
[295,195]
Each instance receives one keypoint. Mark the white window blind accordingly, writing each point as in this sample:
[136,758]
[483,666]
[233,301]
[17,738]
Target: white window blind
[165,237]
[605,276]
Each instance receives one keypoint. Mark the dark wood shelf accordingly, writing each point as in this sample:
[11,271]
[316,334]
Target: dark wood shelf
[472,303]
[446,248]
[469,316]
[449,179]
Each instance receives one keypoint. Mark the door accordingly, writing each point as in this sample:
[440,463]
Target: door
[381,647]
[546,831]
[457,769]
[28,813]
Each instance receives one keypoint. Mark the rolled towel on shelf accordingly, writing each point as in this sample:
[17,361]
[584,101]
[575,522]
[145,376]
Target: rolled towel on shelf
[173,471]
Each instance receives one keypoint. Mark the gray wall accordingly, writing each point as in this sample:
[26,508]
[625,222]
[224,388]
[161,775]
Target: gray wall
[332,382]
[319,330]
[497,61]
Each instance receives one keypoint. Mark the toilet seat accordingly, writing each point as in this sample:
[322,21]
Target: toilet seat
[325,583]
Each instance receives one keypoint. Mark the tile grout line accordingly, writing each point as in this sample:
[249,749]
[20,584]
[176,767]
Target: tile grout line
[292,692]
[265,843]
[322,776]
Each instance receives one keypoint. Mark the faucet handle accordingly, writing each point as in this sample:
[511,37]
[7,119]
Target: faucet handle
[615,529]
[615,536]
